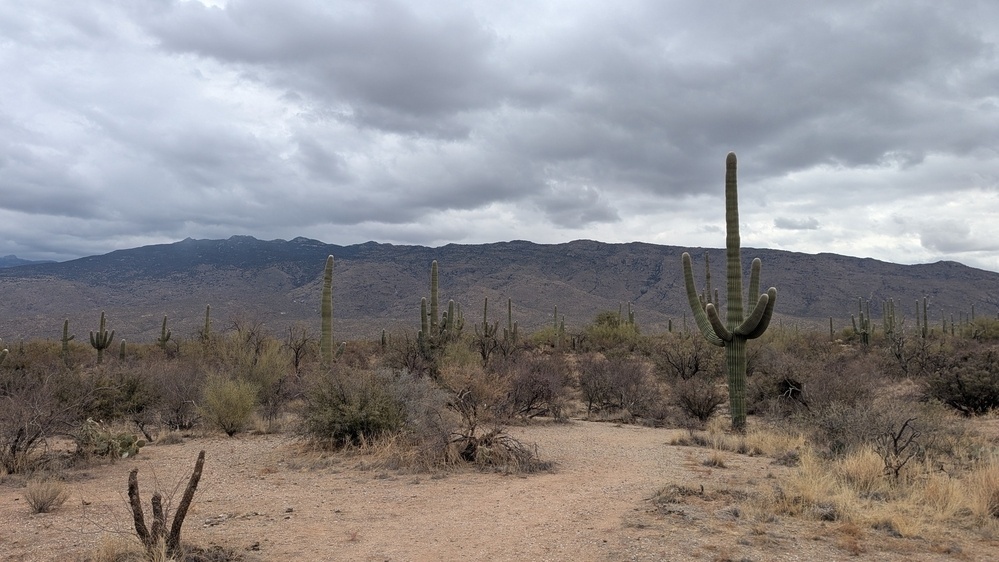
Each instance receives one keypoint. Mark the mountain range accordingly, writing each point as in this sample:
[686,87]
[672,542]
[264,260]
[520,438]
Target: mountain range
[379,286]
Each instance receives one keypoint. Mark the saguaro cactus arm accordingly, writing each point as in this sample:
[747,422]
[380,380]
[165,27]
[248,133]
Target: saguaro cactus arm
[700,317]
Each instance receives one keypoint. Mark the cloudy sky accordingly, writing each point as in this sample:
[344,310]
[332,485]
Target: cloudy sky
[862,128]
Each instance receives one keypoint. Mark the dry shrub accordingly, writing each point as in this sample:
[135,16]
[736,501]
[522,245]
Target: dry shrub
[939,496]
[863,472]
[699,397]
[400,420]
[536,385]
[967,382]
[178,384]
[982,490]
[45,495]
[34,406]
[621,384]
[685,356]
[120,548]
[350,407]
[228,404]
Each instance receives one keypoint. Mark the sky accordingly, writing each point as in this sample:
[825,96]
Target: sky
[862,128]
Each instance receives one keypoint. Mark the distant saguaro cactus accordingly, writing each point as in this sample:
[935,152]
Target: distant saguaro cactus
[326,336]
[164,334]
[739,327]
[101,340]
[66,338]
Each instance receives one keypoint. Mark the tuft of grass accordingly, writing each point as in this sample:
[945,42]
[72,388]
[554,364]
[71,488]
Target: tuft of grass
[715,460]
[981,490]
[45,495]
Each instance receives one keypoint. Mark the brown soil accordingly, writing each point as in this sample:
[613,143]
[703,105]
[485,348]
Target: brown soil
[260,498]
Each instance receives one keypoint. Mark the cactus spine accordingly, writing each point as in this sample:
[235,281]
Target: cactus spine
[101,340]
[739,328]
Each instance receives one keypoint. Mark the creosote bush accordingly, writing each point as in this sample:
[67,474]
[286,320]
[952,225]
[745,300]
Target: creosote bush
[228,404]
[347,406]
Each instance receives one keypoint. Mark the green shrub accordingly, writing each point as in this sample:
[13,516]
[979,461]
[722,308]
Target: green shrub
[351,407]
[228,404]
[969,382]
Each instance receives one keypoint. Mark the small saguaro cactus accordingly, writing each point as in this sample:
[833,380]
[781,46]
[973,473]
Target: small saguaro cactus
[164,334]
[739,327]
[101,340]
[121,352]
[66,338]
[485,334]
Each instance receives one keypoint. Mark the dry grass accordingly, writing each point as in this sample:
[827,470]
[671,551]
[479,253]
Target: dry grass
[981,491]
[45,495]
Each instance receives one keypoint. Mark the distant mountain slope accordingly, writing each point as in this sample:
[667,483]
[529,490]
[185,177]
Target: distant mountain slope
[14,261]
[379,286]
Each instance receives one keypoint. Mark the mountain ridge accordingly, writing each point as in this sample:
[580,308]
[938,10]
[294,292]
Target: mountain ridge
[378,286]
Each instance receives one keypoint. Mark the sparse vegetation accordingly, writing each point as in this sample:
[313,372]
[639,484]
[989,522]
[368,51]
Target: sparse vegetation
[45,495]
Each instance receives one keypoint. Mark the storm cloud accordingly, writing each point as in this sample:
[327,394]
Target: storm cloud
[867,129]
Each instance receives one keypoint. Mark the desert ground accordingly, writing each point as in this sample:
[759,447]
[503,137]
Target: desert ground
[263,497]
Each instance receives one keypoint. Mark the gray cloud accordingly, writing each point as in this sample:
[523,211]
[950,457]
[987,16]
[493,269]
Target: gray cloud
[150,121]
[785,223]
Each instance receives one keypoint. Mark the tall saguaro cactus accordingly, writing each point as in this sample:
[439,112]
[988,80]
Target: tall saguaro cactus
[738,327]
[101,340]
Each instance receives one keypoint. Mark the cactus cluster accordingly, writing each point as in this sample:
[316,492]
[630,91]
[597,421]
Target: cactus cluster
[436,329]
[739,327]
[97,439]
[862,328]
[101,340]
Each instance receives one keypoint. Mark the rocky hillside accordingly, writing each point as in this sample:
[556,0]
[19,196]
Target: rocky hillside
[379,286]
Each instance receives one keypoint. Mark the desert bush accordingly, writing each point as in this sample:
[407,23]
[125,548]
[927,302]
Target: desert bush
[178,385]
[350,407]
[983,329]
[36,405]
[594,382]
[537,386]
[121,393]
[623,384]
[45,495]
[684,356]
[609,332]
[699,397]
[228,404]
[967,382]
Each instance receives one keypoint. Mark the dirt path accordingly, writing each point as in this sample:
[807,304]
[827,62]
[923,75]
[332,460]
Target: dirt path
[256,497]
